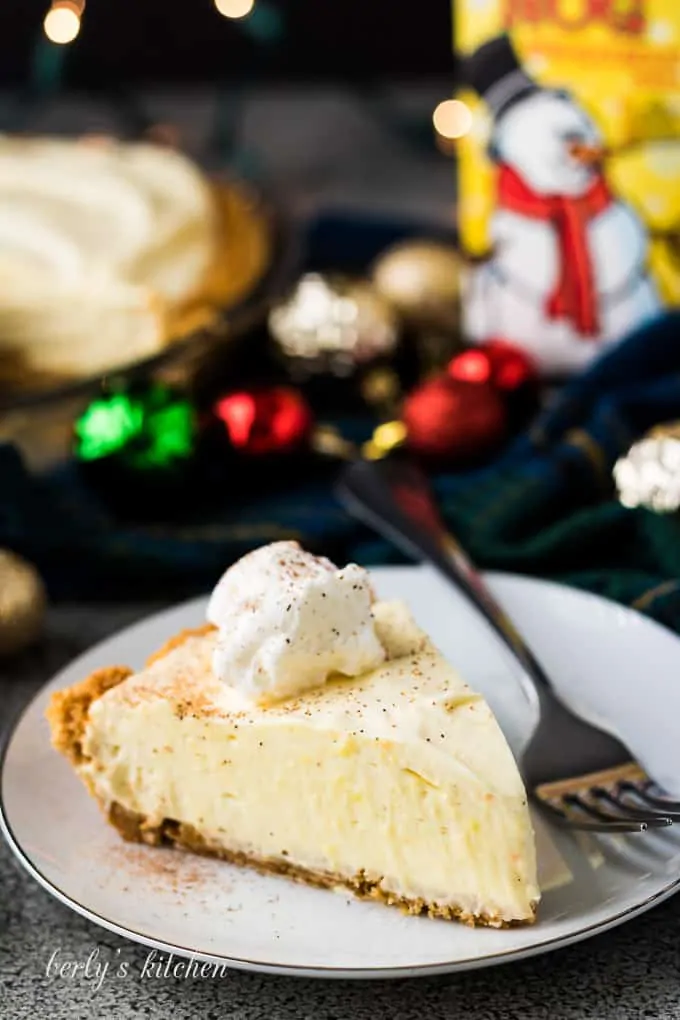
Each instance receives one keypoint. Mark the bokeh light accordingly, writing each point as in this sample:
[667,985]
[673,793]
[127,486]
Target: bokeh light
[234,8]
[61,24]
[452,118]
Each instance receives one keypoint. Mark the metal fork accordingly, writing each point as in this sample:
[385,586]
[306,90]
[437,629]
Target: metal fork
[580,775]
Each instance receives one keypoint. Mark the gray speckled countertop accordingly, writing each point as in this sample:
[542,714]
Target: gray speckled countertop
[630,973]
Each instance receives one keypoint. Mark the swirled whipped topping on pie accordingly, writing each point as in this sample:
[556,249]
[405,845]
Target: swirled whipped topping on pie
[97,241]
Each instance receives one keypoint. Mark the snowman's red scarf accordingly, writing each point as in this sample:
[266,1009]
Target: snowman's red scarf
[574,297]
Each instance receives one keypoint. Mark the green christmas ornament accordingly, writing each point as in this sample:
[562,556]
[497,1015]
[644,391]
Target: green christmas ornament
[107,426]
[149,429]
[139,450]
[171,432]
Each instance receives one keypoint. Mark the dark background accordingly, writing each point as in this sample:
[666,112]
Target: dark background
[187,41]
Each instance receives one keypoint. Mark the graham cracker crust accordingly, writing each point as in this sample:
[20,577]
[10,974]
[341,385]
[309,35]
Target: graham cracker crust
[179,639]
[244,244]
[68,709]
[67,716]
[136,829]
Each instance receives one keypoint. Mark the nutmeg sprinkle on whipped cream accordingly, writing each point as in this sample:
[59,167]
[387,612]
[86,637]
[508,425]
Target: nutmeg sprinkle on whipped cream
[288,620]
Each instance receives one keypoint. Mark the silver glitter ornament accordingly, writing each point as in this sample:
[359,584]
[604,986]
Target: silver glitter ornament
[649,474]
[333,324]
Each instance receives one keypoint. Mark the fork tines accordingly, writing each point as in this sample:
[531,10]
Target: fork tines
[615,800]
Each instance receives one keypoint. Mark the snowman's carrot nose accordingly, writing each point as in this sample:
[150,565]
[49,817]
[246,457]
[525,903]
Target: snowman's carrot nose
[589,155]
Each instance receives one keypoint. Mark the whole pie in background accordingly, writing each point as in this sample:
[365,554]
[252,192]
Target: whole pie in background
[109,251]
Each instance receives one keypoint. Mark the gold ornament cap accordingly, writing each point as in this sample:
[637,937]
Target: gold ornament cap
[22,603]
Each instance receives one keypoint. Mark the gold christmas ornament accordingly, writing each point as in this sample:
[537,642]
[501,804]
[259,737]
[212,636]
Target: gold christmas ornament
[333,324]
[649,474]
[421,280]
[22,603]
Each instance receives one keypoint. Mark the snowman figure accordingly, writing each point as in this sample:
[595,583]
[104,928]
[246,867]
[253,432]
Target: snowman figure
[567,271]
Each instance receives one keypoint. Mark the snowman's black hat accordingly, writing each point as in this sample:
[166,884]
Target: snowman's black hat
[496,75]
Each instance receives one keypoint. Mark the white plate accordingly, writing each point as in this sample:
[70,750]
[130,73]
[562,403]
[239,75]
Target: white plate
[613,663]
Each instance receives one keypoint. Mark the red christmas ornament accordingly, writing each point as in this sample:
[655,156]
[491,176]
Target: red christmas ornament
[265,421]
[498,362]
[471,366]
[454,419]
[511,367]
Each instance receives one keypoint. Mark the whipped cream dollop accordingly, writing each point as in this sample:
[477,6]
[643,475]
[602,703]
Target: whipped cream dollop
[287,620]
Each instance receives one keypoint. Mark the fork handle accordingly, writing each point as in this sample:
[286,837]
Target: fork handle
[393,497]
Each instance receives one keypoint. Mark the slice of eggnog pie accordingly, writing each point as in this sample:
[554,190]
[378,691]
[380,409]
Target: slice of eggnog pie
[311,731]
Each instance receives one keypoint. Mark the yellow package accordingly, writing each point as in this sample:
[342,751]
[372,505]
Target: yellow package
[570,171]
